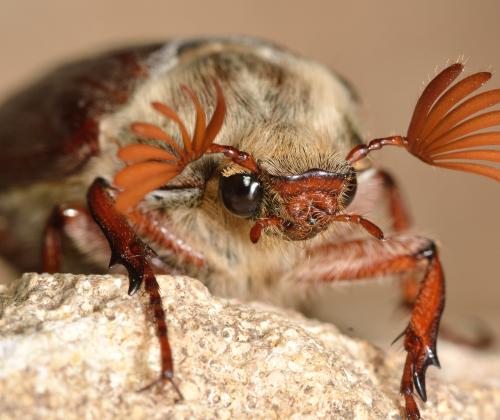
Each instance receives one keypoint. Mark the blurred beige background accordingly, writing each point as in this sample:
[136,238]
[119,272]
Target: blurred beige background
[386,49]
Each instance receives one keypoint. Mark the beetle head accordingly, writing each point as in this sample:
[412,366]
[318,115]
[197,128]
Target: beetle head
[298,191]
[309,200]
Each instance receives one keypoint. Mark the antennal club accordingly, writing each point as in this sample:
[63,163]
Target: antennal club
[444,131]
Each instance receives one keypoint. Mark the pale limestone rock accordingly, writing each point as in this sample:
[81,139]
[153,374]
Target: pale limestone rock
[79,347]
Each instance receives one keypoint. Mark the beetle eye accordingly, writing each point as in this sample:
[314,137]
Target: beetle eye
[350,191]
[241,194]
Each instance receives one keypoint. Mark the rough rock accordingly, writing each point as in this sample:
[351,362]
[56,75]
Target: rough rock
[79,347]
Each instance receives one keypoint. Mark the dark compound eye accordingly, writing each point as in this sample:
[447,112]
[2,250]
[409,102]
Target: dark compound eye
[350,191]
[241,194]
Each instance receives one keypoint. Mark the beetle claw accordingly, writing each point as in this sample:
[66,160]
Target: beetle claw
[419,382]
[134,284]
[115,259]
[167,376]
[432,358]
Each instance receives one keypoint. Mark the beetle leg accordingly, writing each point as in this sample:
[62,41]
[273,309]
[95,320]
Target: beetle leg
[365,259]
[401,222]
[129,250]
[400,216]
[65,220]
[76,223]
[155,230]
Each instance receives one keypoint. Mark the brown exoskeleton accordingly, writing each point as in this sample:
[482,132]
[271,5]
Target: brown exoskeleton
[125,140]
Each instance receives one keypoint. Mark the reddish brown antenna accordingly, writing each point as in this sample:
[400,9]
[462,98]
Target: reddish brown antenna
[444,131]
[150,167]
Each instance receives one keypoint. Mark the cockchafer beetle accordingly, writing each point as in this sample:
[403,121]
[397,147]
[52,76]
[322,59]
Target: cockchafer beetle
[123,140]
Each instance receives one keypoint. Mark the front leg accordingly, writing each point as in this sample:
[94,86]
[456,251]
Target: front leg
[398,255]
[130,251]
